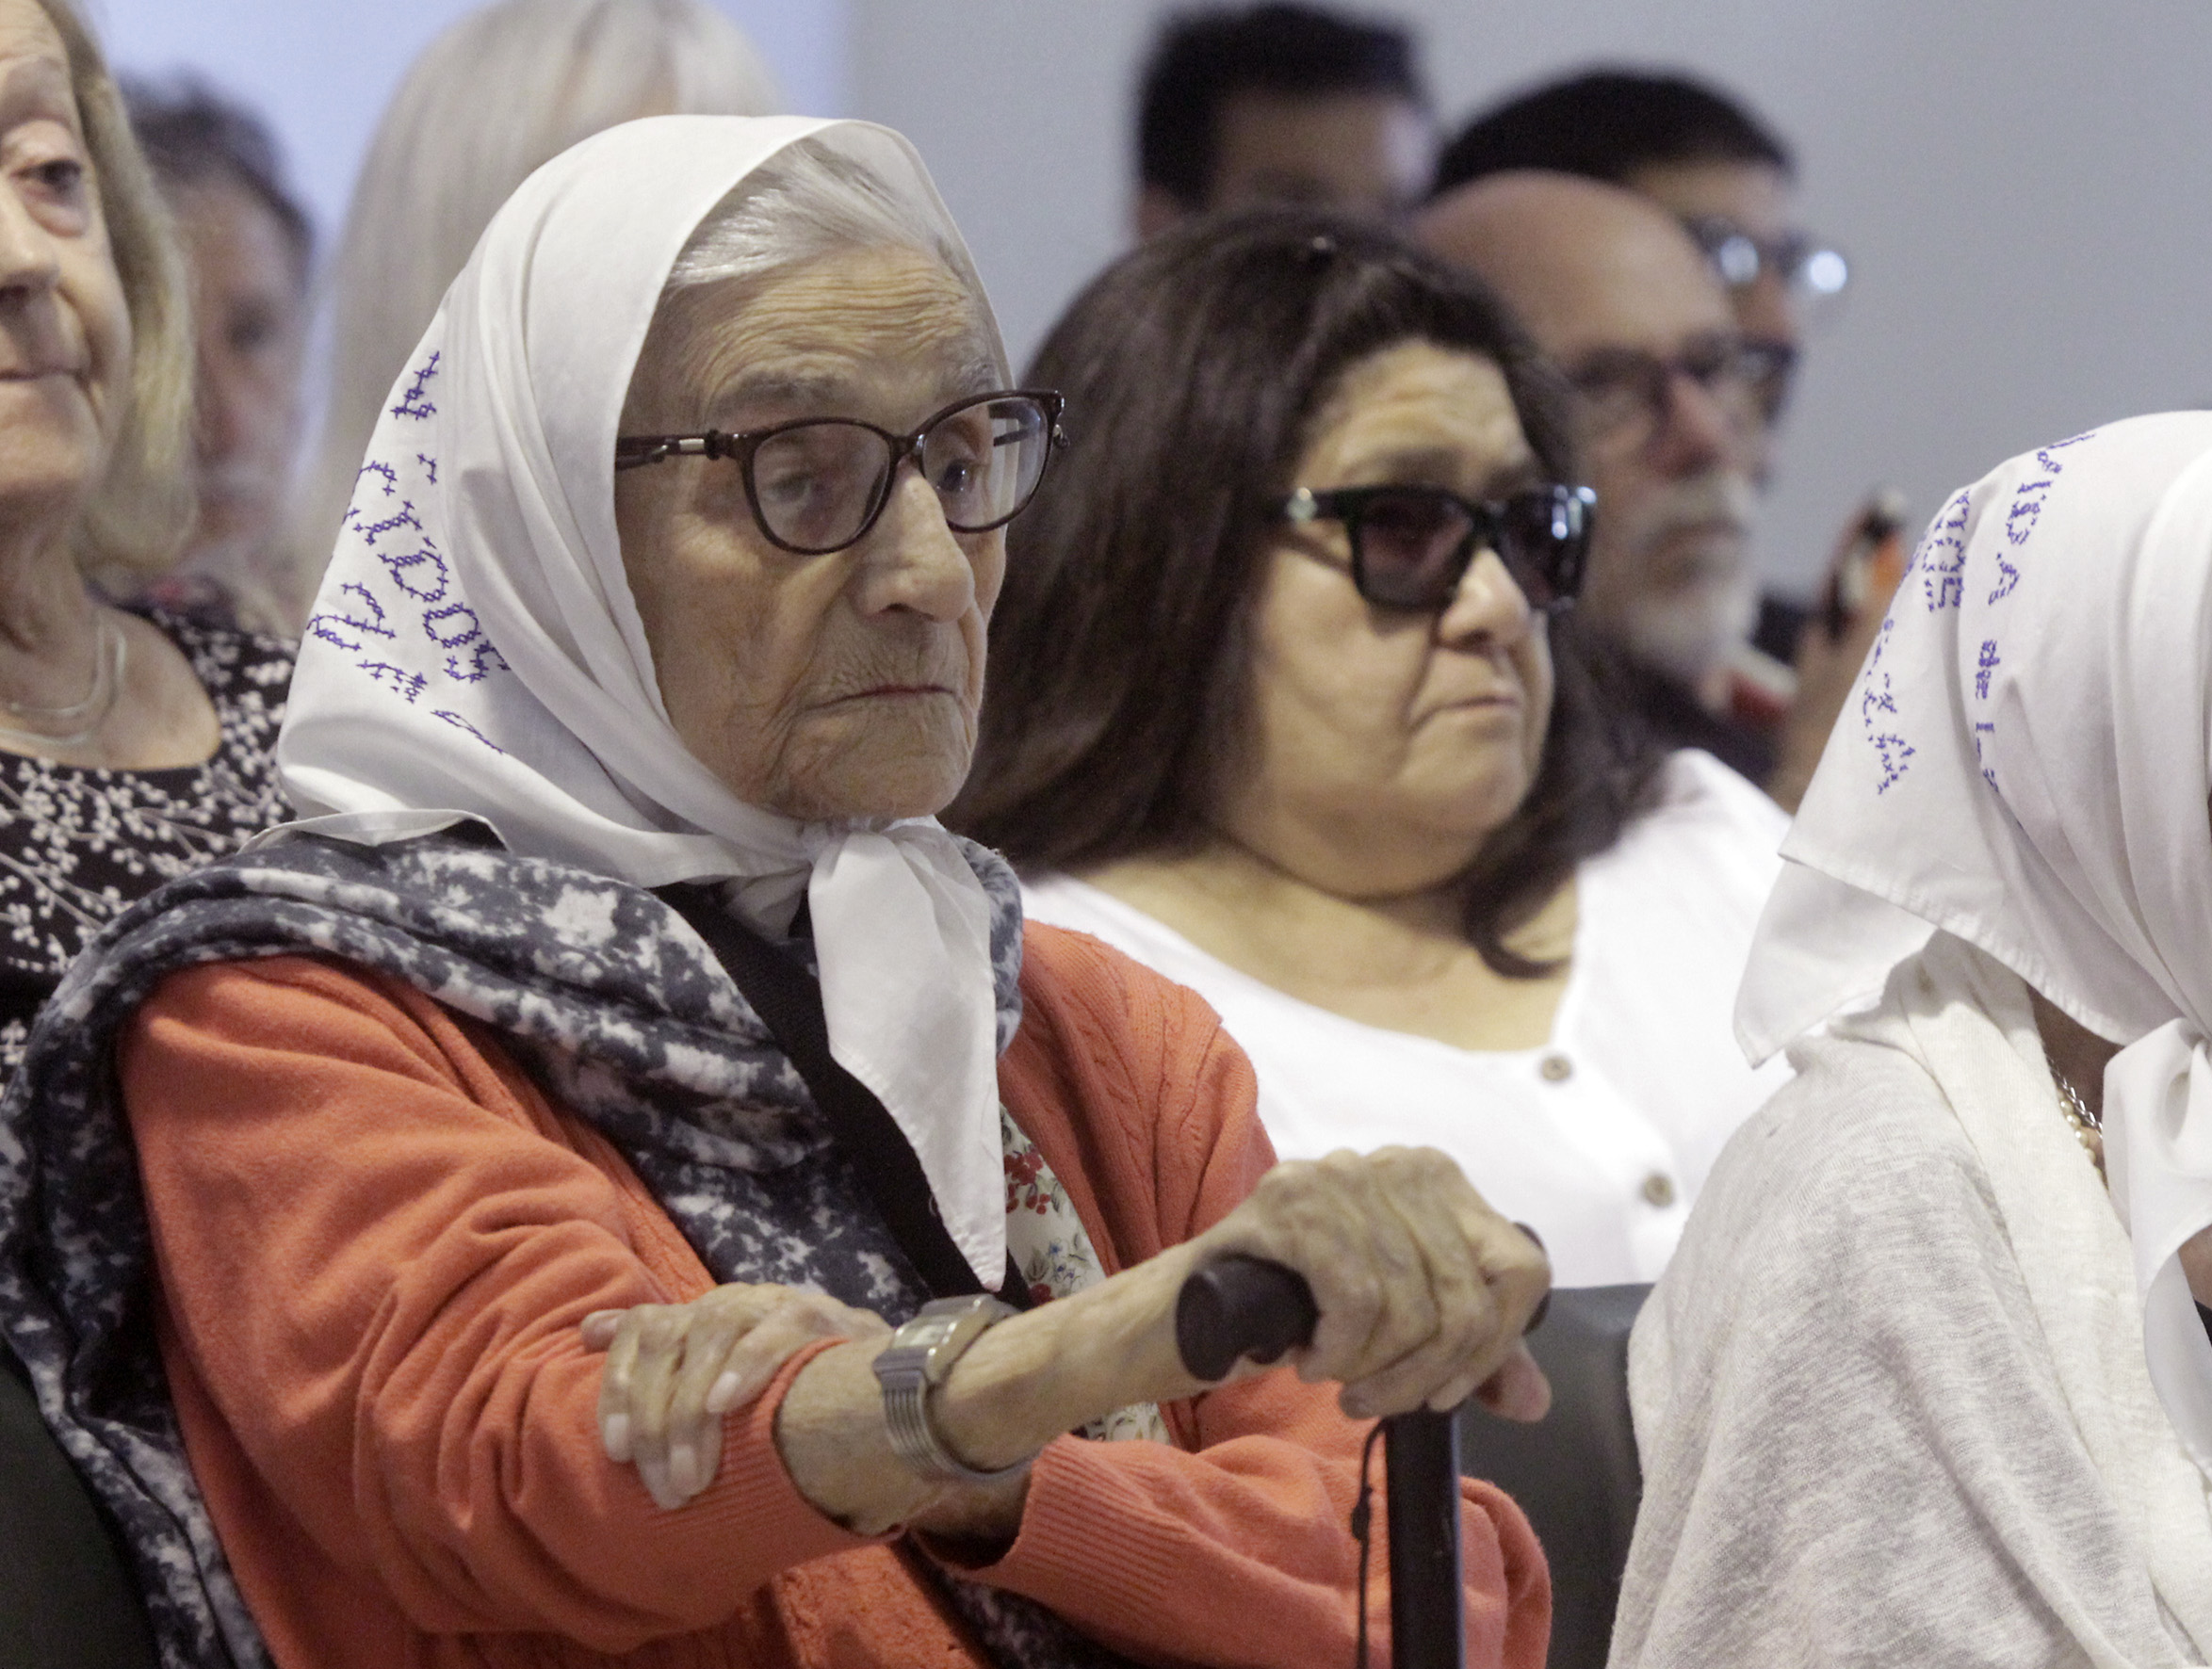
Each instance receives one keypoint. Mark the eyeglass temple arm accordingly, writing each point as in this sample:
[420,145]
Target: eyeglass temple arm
[657,449]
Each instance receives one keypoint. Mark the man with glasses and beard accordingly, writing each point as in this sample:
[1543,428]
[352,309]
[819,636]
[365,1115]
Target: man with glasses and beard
[1702,154]
[1618,295]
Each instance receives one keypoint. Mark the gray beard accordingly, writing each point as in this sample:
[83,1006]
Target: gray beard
[1688,635]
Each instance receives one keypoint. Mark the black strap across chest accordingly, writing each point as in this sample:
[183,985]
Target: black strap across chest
[788,1001]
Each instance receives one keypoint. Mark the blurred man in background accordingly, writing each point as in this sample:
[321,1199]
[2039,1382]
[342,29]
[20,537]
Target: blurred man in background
[1620,297]
[1700,155]
[247,249]
[1281,104]
[1725,175]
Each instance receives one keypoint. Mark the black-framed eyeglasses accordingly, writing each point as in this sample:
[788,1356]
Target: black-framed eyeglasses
[817,485]
[1627,394]
[1411,546]
[1798,260]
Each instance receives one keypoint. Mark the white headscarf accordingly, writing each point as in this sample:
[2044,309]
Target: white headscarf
[2026,762]
[475,649]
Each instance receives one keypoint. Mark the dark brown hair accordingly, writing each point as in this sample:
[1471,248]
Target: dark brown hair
[1120,651]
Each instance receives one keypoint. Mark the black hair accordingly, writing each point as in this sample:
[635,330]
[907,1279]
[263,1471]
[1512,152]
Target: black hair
[1607,124]
[1202,57]
[192,135]
[1120,651]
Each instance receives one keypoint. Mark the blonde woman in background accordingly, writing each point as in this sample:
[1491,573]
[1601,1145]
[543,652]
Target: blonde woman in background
[133,743]
[445,158]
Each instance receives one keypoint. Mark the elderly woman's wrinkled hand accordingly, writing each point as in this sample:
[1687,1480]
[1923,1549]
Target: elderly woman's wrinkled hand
[1424,1289]
[672,1370]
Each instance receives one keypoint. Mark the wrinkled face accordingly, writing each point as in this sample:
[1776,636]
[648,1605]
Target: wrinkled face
[1387,744]
[835,686]
[1755,198]
[249,314]
[1366,153]
[65,332]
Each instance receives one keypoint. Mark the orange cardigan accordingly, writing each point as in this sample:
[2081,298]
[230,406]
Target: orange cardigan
[376,1237]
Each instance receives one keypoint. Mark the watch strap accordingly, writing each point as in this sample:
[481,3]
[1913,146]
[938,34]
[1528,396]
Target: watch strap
[920,1354]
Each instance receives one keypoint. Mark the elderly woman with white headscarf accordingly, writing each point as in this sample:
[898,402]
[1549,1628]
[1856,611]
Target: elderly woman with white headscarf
[470,1228]
[1924,1384]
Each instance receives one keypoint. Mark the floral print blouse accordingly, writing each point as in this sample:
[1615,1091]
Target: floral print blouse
[79,845]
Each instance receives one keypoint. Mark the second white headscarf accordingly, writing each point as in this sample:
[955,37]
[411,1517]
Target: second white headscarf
[2025,763]
[475,649]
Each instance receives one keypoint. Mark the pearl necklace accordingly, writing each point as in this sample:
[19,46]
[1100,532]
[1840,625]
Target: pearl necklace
[80,721]
[2088,1129]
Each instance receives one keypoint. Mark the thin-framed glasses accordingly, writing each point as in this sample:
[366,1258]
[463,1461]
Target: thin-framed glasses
[817,485]
[1411,546]
[1800,262]
[1627,396]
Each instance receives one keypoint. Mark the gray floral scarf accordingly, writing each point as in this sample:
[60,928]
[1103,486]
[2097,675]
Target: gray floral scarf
[606,996]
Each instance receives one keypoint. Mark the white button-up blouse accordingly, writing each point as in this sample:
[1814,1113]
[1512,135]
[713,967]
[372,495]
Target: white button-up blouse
[1600,1139]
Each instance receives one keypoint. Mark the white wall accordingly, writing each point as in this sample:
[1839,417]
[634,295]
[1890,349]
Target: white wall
[2023,184]
[322,70]
[2025,187]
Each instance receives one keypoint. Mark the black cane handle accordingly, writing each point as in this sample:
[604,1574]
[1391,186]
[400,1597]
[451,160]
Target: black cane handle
[1240,1307]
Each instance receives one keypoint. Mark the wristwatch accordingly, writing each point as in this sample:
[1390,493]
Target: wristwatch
[917,1360]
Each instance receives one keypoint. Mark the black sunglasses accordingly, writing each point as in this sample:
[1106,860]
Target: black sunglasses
[1411,546]
[818,484]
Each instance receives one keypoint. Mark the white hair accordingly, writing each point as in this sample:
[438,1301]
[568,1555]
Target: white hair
[502,91]
[828,191]
[842,189]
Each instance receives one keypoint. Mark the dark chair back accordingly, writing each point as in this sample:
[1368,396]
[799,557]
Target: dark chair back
[1574,1472]
[67,1600]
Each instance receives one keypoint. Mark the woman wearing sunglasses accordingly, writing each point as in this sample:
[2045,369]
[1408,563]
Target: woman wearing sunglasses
[1286,701]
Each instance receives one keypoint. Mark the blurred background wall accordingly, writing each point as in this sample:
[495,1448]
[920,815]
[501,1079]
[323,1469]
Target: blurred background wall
[2024,185]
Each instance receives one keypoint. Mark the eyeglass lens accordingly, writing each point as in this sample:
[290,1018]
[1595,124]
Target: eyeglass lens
[1411,549]
[817,485]
[1794,258]
[1624,392]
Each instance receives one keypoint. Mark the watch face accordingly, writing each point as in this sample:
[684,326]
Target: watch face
[934,1332]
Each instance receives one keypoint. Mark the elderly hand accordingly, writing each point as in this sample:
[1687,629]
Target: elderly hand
[1424,1289]
[672,1370]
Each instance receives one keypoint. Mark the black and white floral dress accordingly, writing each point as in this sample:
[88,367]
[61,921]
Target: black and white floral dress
[78,845]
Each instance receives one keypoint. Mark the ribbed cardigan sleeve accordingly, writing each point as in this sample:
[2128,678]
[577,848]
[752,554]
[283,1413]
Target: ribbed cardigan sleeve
[376,1242]
[1233,1548]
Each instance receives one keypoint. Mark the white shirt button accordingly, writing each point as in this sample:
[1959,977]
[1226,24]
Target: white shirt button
[1659,1190]
[1555,1069]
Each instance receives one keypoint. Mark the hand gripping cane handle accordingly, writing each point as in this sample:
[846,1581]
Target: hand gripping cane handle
[1248,1306]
